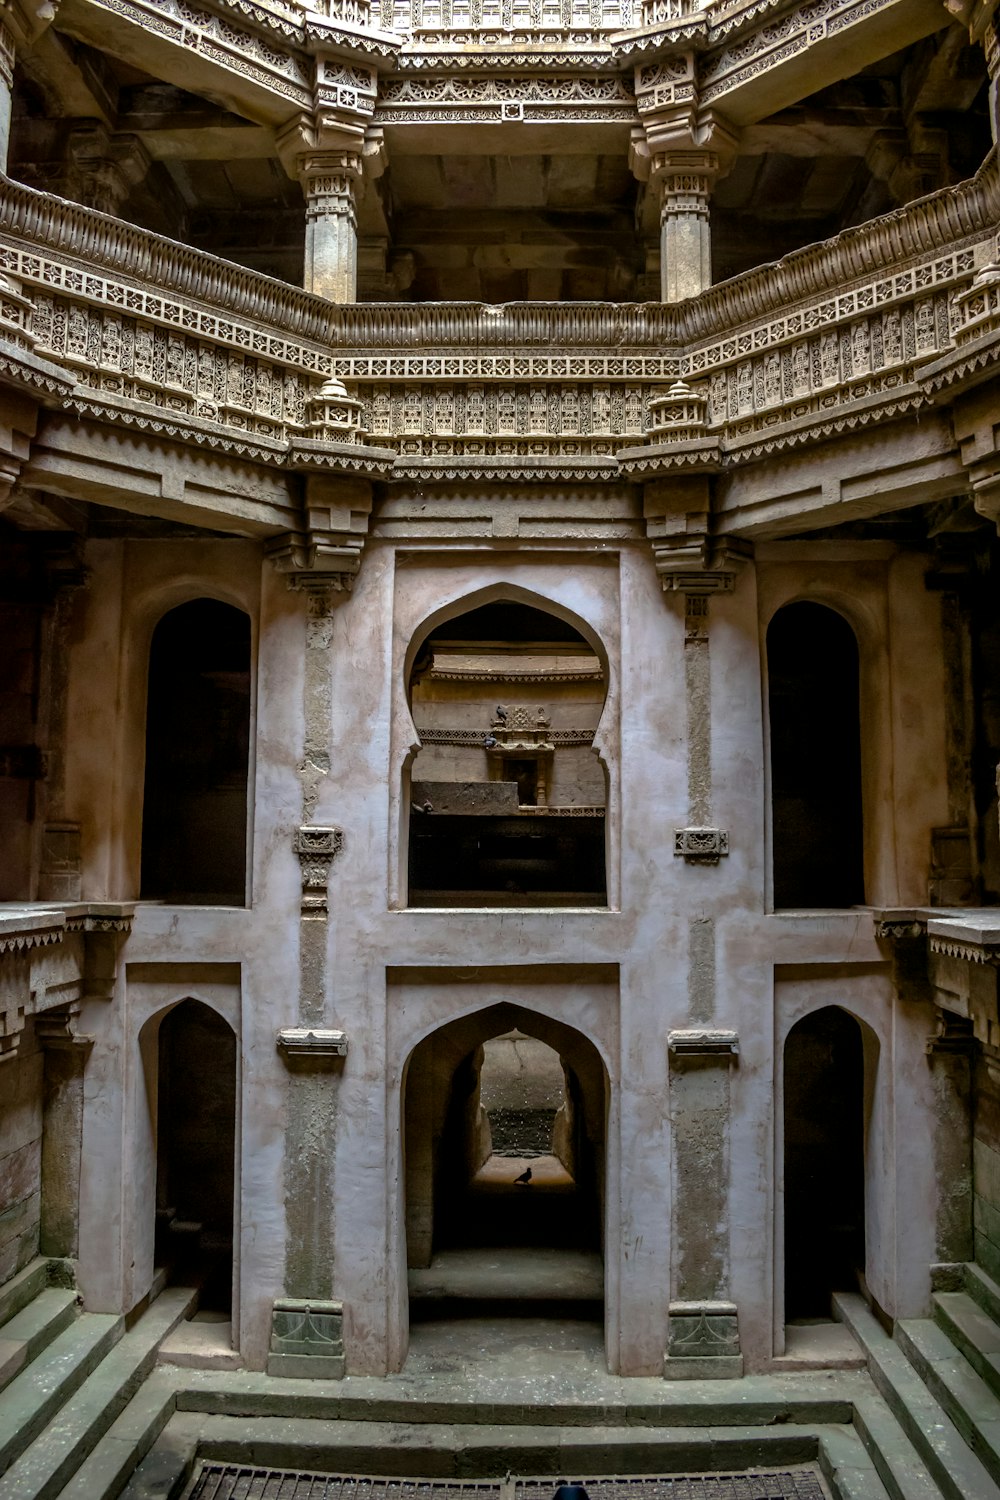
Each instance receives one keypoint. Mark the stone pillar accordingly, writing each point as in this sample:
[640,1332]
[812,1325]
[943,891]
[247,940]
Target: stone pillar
[62,1134]
[6,88]
[950,1056]
[684,180]
[307,1324]
[703,1340]
[330,182]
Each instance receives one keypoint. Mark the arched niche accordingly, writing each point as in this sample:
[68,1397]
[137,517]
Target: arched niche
[452,1200]
[190,1062]
[505,794]
[817,831]
[195,795]
[829,1067]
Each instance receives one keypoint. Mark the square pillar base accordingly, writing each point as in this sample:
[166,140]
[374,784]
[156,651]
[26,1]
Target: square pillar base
[703,1342]
[307,1339]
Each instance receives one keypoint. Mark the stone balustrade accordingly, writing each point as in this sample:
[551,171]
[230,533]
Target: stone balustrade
[161,336]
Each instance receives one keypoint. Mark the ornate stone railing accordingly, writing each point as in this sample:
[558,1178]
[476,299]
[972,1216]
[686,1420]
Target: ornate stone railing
[156,333]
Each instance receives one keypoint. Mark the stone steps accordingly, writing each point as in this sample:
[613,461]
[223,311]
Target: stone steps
[33,1398]
[973,1332]
[109,1467]
[50,1462]
[29,1331]
[956,1470]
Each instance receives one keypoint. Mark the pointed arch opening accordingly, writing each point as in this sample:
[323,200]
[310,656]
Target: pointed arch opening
[506,795]
[195,797]
[829,1071]
[505,1124]
[815,734]
[191,1066]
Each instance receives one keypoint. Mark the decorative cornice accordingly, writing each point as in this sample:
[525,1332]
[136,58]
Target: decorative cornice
[970,953]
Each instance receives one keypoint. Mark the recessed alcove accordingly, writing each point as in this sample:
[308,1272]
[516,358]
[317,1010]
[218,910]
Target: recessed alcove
[815,736]
[194,818]
[507,796]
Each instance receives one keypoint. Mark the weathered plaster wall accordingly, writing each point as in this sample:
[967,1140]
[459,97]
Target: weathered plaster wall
[687,944]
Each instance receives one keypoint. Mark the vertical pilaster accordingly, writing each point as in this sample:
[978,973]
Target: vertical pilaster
[704,1327]
[307,1325]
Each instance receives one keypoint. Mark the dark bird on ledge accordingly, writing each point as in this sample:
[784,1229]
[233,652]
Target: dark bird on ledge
[525,1177]
[501,713]
[490,742]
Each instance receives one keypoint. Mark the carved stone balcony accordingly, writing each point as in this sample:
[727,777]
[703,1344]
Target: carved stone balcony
[161,339]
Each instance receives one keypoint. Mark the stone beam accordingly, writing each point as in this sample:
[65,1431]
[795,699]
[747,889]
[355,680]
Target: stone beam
[76,81]
[226,61]
[150,476]
[760,74]
[891,468]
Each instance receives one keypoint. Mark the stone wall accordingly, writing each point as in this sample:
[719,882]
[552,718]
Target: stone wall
[986,1163]
[21,1092]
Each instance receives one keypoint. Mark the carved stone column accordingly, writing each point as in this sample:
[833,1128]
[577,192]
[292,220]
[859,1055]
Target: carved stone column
[684,181]
[330,182]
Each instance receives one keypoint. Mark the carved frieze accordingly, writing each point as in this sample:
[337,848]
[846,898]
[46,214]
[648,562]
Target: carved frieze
[703,846]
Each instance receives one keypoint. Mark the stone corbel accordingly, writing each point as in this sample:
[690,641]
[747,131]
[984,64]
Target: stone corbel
[311,1044]
[903,931]
[105,927]
[323,558]
[710,1044]
[101,169]
[56,1029]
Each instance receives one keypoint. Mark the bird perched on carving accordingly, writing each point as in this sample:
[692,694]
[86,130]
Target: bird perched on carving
[489,742]
[524,1178]
[501,713]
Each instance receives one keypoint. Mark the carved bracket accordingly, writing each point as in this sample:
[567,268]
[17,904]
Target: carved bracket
[316,848]
[722,1046]
[701,846]
[310,1043]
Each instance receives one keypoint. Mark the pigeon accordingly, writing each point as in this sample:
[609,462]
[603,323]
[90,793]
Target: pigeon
[490,742]
[501,713]
[525,1177]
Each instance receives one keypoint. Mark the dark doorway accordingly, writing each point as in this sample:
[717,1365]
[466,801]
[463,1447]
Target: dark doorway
[196,1152]
[194,822]
[504,1150]
[824,1185]
[813,701]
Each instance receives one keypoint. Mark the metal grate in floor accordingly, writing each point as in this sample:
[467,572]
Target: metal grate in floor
[240,1482]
